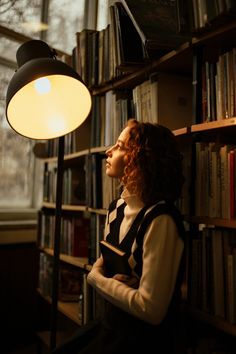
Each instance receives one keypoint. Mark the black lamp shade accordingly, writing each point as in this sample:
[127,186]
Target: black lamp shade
[46,98]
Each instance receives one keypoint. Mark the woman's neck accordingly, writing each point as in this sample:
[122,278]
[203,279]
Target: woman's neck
[131,199]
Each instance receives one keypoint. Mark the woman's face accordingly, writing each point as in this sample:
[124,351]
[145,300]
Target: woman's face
[116,156]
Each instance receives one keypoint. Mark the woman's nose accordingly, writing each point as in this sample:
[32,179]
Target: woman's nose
[108,151]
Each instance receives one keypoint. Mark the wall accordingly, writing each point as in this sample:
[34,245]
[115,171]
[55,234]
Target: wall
[18,277]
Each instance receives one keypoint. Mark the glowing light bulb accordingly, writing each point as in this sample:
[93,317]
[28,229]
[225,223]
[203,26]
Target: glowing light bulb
[57,124]
[42,85]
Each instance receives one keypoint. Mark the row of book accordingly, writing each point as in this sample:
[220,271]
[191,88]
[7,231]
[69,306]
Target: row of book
[140,31]
[215,180]
[75,234]
[209,95]
[136,32]
[215,79]
[99,57]
[70,280]
[80,234]
[87,184]
[151,103]
[84,184]
[71,144]
[109,114]
[213,273]
[73,184]
[73,287]
[147,103]
[208,12]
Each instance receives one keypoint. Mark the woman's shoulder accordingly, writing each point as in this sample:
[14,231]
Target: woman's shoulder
[165,211]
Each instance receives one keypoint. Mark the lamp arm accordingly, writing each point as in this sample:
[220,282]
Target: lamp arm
[57,241]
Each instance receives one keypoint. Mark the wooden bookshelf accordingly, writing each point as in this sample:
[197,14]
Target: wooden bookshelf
[220,131]
[76,261]
[213,221]
[223,123]
[214,321]
[69,309]
[65,207]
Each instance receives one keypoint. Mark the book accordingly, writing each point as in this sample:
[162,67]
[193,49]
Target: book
[96,161]
[115,260]
[198,87]
[160,24]
[74,185]
[218,273]
[80,237]
[229,250]
[231,172]
[231,287]
[225,201]
[130,48]
[83,42]
[70,283]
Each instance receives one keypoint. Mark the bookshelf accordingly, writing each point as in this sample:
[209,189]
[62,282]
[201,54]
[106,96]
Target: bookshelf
[115,93]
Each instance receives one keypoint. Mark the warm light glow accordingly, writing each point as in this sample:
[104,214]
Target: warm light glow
[60,111]
[42,85]
[57,125]
[35,26]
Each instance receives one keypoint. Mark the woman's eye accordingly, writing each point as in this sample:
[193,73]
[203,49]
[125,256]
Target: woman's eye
[121,147]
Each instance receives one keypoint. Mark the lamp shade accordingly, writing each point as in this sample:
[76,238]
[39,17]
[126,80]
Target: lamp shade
[46,98]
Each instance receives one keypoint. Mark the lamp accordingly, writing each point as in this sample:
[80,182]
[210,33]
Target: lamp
[47,99]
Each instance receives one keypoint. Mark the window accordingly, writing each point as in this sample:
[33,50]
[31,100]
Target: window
[102,14]
[21,16]
[16,159]
[56,22]
[65,18]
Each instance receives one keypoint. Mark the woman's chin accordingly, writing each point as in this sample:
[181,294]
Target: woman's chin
[108,173]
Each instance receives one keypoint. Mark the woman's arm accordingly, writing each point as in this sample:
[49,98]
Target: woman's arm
[162,251]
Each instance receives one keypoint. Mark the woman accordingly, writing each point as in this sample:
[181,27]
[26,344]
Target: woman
[141,308]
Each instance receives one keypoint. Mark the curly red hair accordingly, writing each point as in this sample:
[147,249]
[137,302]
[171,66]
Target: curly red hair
[154,168]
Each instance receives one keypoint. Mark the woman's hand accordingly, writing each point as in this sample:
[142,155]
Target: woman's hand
[98,266]
[131,281]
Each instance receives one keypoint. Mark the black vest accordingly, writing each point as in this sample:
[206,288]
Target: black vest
[139,227]
[119,320]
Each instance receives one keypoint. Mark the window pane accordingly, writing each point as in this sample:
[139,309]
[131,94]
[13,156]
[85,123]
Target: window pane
[16,158]
[17,15]
[9,49]
[65,18]
[102,15]
[18,167]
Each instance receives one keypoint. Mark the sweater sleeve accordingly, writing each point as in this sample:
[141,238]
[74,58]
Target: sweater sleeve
[162,251]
